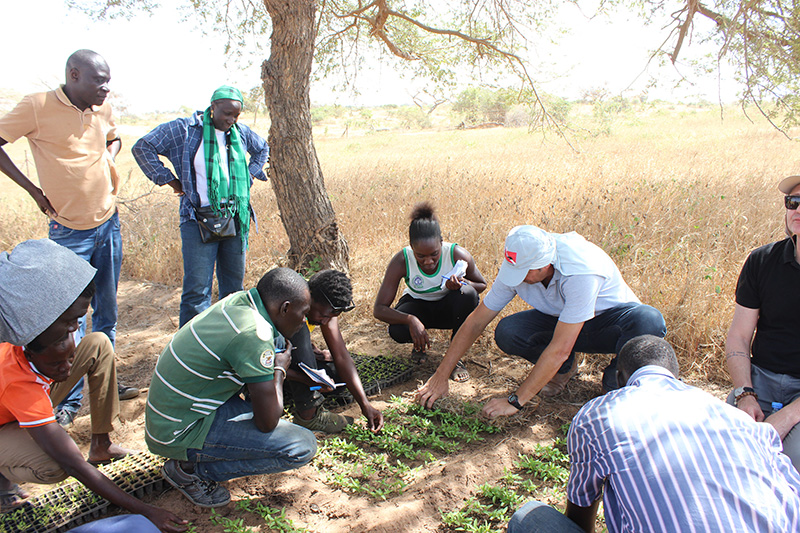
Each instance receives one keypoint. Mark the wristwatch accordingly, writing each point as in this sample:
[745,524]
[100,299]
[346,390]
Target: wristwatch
[513,400]
[741,392]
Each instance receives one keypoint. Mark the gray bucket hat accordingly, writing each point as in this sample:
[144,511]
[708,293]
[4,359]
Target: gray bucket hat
[39,280]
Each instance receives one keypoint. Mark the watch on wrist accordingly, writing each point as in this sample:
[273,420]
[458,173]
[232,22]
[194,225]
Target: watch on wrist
[741,392]
[513,400]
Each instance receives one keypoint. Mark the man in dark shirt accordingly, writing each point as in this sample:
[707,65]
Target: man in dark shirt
[762,353]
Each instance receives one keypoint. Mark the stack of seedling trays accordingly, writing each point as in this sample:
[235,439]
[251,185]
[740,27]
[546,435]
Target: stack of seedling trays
[376,372]
[71,504]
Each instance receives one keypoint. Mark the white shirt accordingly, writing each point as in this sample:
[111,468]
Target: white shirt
[200,175]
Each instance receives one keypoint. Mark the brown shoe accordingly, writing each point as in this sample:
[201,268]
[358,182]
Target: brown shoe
[559,381]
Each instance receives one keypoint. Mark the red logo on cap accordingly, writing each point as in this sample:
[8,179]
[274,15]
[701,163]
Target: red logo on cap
[511,257]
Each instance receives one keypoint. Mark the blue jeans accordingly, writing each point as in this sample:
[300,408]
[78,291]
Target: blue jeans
[537,517]
[129,523]
[527,334]
[199,259]
[102,248]
[237,449]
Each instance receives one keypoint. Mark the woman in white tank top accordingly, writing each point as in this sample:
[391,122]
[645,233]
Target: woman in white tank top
[440,291]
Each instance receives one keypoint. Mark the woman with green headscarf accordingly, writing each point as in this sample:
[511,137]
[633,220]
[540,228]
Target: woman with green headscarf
[211,175]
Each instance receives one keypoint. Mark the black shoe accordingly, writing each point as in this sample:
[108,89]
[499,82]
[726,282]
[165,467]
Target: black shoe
[610,376]
[64,417]
[127,393]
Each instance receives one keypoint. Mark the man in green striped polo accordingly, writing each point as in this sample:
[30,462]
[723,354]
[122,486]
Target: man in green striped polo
[195,414]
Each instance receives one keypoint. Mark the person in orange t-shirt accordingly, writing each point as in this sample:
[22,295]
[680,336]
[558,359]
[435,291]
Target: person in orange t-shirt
[44,289]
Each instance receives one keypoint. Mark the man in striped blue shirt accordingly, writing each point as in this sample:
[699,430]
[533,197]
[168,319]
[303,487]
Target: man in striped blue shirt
[669,457]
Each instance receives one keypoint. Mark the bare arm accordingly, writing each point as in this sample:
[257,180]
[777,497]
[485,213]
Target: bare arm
[737,356]
[553,356]
[473,276]
[473,326]
[583,516]
[8,168]
[383,311]
[267,396]
[55,442]
[346,369]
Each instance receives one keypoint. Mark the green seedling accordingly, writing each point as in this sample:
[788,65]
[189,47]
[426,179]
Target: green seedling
[230,525]
[275,519]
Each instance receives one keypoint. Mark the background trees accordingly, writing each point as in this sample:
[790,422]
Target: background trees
[447,41]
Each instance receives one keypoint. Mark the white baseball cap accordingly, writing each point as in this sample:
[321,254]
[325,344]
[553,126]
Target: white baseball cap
[787,184]
[527,248]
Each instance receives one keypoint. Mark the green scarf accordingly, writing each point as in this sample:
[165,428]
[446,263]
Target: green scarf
[237,192]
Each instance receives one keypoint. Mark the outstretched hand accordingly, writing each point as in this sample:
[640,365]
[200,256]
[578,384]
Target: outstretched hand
[165,520]
[432,390]
[498,407]
[374,418]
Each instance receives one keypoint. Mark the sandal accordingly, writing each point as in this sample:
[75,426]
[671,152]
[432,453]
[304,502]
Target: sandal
[419,358]
[460,373]
[11,498]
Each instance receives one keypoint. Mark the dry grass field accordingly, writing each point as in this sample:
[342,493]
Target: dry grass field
[676,196]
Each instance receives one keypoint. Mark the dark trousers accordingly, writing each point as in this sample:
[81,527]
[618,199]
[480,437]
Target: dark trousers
[527,334]
[448,313]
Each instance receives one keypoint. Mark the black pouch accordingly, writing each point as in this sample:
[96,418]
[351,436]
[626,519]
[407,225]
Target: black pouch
[214,227]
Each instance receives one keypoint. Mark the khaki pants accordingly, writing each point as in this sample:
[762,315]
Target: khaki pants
[21,459]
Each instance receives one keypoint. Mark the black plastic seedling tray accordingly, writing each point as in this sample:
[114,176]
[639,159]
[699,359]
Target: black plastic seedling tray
[71,504]
[376,372]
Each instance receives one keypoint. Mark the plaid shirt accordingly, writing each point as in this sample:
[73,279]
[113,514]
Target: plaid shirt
[178,141]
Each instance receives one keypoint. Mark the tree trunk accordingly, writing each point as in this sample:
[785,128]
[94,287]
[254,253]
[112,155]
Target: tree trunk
[305,208]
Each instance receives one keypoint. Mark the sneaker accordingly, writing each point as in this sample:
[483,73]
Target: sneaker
[199,491]
[64,417]
[127,393]
[324,421]
[559,381]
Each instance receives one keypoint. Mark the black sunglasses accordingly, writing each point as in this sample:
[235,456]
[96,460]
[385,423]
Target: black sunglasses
[791,202]
[343,309]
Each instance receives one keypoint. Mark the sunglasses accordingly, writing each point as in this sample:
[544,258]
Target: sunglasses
[343,309]
[791,202]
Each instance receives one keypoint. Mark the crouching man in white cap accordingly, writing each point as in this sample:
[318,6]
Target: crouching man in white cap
[44,289]
[580,304]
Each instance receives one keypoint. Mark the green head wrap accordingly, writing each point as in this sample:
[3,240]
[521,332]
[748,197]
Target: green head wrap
[227,92]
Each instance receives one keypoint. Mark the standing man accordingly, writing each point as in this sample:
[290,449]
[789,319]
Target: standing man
[580,304]
[665,456]
[73,139]
[196,415]
[331,295]
[208,152]
[44,290]
[762,353]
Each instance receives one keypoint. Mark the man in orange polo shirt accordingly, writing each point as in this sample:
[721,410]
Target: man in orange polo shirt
[44,289]
[73,139]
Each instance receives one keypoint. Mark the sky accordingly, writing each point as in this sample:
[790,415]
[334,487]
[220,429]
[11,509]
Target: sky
[161,63]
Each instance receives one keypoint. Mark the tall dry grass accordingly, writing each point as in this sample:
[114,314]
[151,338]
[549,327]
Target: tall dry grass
[678,199]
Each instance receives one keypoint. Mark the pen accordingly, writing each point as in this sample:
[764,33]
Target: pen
[461,282]
[315,387]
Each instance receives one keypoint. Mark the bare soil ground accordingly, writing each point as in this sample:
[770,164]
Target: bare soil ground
[148,318]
